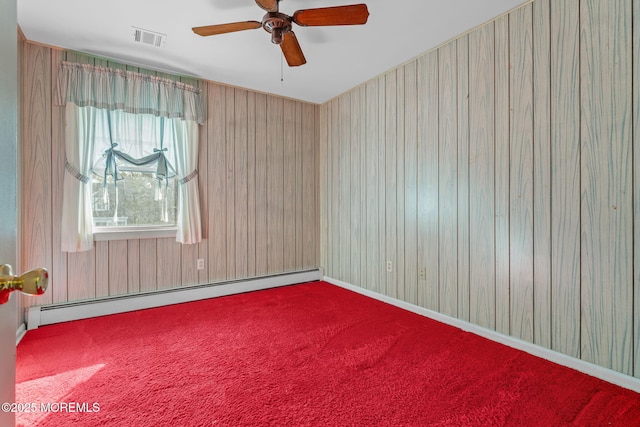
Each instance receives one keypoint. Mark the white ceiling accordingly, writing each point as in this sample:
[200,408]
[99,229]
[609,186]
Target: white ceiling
[338,58]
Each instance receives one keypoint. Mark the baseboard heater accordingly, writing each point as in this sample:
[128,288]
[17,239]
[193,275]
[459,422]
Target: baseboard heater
[57,313]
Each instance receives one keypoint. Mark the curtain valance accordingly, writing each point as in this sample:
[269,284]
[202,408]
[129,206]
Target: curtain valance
[115,89]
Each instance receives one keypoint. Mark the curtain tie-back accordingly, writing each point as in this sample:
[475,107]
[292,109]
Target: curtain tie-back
[188,177]
[76,173]
[162,168]
[111,167]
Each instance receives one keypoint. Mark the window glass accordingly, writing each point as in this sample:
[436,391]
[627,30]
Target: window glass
[139,197]
[138,202]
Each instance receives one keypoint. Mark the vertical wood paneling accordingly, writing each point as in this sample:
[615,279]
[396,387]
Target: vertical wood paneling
[482,176]
[606,187]
[391,184]
[189,273]
[118,262]
[230,181]
[336,167]
[148,270]
[399,264]
[81,276]
[343,147]
[464,285]
[373,259]
[334,171]
[217,184]
[261,185]
[299,186]
[133,263]
[565,178]
[330,131]
[428,170]
[362,135]
[324,187]
[36,240]
[356,189]
[542,173]
[101,280]
[448,179]
[521,176]
[58,273]
[275,185]
[382,189]
[170,269]
[329,198]
[310,186]
[502,169]
[411,183]
[251,184]
[289,185]
[240,179]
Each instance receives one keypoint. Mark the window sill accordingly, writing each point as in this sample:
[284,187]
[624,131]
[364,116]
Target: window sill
[101,234]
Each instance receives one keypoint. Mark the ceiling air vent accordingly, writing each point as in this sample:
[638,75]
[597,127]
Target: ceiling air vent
[147,37]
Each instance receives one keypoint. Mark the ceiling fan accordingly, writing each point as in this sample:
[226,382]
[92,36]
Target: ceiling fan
[279,25]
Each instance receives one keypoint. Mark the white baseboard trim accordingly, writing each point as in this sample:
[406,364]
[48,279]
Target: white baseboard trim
[22,329]
[597,371]
[57,313]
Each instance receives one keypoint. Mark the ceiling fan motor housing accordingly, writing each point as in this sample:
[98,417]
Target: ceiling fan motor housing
[276,24]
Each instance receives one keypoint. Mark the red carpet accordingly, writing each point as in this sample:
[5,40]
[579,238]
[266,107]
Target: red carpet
[304,355]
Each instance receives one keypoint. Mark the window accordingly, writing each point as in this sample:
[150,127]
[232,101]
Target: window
[131,146]
[133,178]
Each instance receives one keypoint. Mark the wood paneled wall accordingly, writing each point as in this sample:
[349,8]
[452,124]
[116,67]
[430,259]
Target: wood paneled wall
[495,175]
[258,176]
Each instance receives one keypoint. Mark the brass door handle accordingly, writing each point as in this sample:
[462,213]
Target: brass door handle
[32,282]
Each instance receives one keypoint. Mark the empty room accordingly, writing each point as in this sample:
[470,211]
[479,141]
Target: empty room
[320,213]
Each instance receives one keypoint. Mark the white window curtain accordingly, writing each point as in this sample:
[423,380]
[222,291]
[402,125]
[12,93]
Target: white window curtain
[77,218]
[88,93]
[185,134]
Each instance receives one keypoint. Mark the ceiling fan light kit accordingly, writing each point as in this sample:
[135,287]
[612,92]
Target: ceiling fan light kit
[279,25]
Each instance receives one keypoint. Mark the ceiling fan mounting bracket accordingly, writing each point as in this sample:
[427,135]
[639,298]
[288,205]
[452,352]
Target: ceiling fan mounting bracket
[276,24]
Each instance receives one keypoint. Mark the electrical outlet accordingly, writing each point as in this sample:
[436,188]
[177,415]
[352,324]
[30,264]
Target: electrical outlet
[389,266]
[422,273]
[200,264]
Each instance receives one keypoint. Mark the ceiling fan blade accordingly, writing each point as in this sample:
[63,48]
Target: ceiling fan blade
[268,5]
[292,50]
[212,30]
[355,14]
